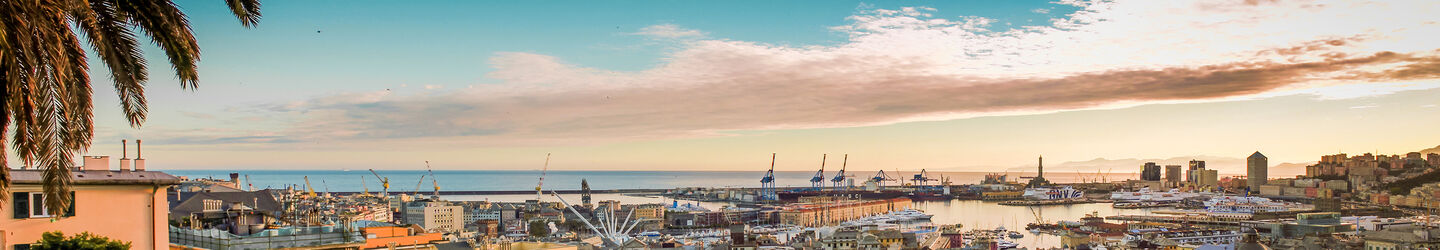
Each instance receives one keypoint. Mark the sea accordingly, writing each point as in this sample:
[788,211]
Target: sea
[514,180]
[969,214]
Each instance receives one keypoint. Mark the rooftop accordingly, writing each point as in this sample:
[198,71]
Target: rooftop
[98,177]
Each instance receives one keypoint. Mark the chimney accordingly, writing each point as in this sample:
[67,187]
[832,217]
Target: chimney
[93,163]
[139,159]
[125,156]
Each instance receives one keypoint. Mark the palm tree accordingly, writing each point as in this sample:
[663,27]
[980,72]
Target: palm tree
[46,93]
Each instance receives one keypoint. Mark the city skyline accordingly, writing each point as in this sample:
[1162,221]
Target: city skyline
[958,86]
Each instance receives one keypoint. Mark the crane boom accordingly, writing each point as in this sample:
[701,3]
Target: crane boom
[544,169]
[363,186]
[433,179]
[417,185]
[308,188]
[384,183]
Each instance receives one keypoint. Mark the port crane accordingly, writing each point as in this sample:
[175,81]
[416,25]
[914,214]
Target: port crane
[767,183]
[840,177]
[541,183]
[310,190]
[327,187]
[880,178]
[433,179]
[364,187]
[417,186]
[922,178]
[249,186]
[818,181]
[384,184]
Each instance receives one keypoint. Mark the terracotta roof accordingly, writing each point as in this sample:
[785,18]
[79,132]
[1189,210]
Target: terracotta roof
[99,177]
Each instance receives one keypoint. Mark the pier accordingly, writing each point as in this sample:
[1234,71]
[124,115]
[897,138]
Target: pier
[1182,220]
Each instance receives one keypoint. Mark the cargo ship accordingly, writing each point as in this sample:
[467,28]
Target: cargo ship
[852,194]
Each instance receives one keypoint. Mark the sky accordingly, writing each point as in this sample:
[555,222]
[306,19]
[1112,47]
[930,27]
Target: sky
[720,85]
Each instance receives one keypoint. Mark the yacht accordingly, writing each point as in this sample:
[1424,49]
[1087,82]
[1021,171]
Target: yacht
[910,214]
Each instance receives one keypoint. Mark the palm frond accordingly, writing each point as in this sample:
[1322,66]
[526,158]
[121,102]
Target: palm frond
[248,11]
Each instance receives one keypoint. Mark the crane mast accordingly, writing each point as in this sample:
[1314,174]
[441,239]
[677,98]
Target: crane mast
[541,183]
[310,190]
[433,179]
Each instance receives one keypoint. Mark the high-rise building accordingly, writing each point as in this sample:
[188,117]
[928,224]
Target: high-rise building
[1172,173]
[1150,172]
[1207,177]
[1190,173]
[1257,165]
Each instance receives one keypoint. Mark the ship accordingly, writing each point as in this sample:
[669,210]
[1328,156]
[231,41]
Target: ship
[852,194]
[1145,194]
[1053,193]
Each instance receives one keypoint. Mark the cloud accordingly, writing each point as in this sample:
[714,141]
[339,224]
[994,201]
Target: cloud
[430,87]
[669,31]
[908,65]
[1041,11]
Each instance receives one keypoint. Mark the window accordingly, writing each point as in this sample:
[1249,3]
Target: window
[37,205]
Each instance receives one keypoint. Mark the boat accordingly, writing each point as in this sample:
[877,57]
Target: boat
[1245,205]
[1145,194]
[1133,205]
[1016,235]
[1053,193]
[910,215]
[795,195]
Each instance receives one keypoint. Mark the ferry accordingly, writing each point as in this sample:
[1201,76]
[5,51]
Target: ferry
[1245,205]
[1145,194]
[1055,193]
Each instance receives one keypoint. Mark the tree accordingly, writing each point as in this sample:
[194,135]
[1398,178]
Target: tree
[538,229]
[84,240]
[46,91]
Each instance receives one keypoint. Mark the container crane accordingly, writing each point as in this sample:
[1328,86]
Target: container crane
[840,176]
[818,181]
[541,183]
[384,184]
[921,178]
[880,178]
[767,183]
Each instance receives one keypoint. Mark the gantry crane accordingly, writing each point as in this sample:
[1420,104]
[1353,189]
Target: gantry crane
[818,181]
[840,176]
[384,184]
[921,179]
[767,183]
[880,178]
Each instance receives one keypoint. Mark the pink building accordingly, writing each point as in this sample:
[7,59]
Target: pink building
[124,204]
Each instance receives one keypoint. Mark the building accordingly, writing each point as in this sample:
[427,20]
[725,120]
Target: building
[1150,172]
[828,214]
[122,204]
[399,237]
[1172,173]
[1192,173]
[1433,159]
[435,216]
[1207,178]
[1258,168]
[1310,224]
[1402,238]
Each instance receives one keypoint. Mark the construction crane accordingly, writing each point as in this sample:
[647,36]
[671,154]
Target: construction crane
[433,179]
[417,186]
[384,184]
[767,183]
[327,187]
[818,181]
[840,176]
[308,188]
[364,187]
[249,186]
[541,183]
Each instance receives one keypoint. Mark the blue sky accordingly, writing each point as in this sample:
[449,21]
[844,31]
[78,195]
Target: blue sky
[963,85]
